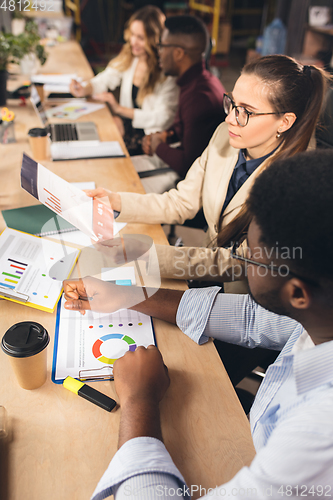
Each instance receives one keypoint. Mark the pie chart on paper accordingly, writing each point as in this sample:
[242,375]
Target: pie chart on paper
[108,348]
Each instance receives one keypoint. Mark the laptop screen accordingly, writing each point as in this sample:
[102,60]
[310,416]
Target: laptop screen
[38,106]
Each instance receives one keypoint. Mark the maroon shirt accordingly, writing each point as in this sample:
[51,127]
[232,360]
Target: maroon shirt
[200,111]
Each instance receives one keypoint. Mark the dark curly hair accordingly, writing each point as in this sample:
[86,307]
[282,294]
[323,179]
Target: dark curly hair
[292,202]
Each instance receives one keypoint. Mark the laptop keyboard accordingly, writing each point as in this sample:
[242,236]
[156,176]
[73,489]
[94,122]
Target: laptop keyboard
[64,132]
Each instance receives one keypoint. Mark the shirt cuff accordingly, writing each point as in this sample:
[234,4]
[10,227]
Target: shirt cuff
[97,86]
[137,456]
[192,319]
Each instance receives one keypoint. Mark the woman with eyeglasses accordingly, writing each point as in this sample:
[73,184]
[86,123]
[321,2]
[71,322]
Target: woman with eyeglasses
[148,101]
[271,113]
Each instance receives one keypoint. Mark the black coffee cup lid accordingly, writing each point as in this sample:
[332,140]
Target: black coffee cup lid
[25,339]
[37,132]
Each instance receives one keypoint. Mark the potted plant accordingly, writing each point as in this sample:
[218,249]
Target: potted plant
[18,22]
[5,52]
[27,49]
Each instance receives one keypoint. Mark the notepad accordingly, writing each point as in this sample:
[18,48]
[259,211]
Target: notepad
[36,220]
[85,150]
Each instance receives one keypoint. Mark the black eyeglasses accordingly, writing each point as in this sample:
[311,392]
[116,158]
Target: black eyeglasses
[239,249]
[242,114]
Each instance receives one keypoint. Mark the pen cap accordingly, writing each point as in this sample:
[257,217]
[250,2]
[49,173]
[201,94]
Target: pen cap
[25,343]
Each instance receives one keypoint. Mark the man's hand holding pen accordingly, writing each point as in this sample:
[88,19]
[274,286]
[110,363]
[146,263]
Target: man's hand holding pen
[88,294]
[93,294]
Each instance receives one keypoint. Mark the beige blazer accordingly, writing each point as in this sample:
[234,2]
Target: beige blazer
[205,185]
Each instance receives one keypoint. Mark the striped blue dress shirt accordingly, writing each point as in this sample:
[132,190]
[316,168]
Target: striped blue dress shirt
[291,418]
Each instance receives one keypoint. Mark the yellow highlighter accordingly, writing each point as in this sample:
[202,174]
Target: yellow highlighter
[89,393]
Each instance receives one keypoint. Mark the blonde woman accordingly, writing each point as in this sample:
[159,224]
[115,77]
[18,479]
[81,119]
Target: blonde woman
[148,100]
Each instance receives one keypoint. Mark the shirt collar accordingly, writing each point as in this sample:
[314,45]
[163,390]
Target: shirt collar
[251,165]
[313,367]
[190,74]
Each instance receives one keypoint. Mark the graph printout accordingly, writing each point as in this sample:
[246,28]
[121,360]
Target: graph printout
[92,217]
[34,267]
[73,110]
[86,346]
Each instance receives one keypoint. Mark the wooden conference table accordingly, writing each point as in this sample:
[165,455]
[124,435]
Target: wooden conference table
[59,445]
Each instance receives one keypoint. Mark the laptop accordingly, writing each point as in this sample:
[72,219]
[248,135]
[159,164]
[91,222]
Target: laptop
[63,132]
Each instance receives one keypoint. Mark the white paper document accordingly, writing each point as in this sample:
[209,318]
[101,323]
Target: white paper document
[84,185]
[69,202]
[78,238]
[54,82]
[32,269]
[73,110]
[93,217]
[86,347]
[85,149]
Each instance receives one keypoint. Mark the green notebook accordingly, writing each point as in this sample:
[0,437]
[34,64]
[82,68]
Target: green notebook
[36,219]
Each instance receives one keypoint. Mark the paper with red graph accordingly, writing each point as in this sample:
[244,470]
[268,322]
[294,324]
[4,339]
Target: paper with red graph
[94,217]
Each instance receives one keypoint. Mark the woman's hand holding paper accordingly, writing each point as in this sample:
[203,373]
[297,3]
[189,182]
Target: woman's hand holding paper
[125,249]
[114,198]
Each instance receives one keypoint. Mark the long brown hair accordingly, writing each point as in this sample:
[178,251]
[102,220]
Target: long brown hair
[153,22]
[293,88]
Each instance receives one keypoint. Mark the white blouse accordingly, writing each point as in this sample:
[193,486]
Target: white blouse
[158,108]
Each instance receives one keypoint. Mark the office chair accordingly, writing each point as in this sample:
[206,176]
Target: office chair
[198,222]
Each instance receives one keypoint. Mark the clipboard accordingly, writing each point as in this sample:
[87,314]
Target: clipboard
[32,269]
[82,344]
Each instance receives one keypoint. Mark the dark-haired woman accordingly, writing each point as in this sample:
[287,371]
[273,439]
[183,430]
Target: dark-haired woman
[272,113]
[148,101]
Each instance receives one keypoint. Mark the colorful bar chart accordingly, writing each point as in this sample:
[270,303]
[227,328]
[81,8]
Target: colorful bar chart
[12,274]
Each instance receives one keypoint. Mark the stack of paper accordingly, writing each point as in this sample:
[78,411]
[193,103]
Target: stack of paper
[85,149]
[55,83]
